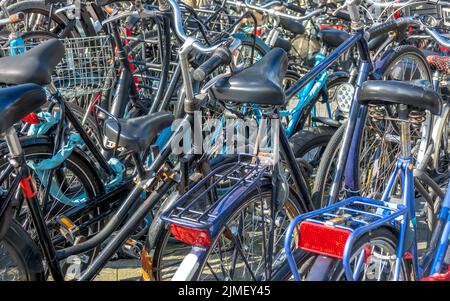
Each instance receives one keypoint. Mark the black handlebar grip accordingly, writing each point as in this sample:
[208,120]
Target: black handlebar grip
[220,57]
[383,28]
[295,8]
[394,25]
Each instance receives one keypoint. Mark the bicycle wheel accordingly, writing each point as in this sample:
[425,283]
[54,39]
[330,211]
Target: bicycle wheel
[309,145]
[39,18]
[74,182]
[379,247]
[239,251]
[20,258]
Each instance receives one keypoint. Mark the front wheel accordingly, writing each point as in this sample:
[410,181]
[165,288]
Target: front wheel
[20,259]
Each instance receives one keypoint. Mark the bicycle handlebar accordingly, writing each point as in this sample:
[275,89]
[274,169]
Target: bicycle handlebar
[273,12]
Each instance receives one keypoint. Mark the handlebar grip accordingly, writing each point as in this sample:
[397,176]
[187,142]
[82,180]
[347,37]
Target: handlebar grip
[295,8]
[20,16]
[220,57]
[394,25]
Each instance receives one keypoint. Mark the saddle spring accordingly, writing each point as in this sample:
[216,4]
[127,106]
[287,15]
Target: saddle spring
[377,112]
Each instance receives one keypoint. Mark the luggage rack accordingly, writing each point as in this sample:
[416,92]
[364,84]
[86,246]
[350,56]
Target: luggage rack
[217,194]
[356,212]
[340,225]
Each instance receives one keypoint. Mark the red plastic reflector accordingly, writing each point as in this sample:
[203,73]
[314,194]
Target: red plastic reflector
[31,118]
[28,187]
[438,277]
[322,239]
[191,236]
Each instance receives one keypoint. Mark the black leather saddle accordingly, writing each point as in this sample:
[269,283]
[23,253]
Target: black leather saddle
[396,92]
[261,83]
[333,37]
[19,101]
[293,26]
[137,133]
[34,66]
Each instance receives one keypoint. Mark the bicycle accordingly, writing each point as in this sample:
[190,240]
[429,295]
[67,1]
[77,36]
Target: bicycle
[370,239]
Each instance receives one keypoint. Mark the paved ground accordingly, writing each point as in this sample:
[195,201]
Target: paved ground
[121,270]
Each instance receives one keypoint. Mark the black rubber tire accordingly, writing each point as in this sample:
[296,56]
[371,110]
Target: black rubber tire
[379,234]
[402,50]
[25,252]
[41,8]
[79,166]
[328,157]
[309,138]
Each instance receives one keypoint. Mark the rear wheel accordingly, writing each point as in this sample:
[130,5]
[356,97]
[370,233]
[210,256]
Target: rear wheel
[239,251]
[309,145]
[380,246]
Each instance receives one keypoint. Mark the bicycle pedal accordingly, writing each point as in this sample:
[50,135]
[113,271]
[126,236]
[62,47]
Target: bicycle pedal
[132,249]
[67,228]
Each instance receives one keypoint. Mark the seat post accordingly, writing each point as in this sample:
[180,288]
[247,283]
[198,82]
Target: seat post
[405,137]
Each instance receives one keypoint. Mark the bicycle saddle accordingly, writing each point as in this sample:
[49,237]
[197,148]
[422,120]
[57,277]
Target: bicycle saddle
[293,26]
[283,44]
[17,102]
[261,83]
[333,37]
[396,92]
[137,133]
[33,66]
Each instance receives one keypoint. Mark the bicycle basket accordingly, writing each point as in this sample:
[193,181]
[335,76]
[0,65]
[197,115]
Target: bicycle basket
[87,67]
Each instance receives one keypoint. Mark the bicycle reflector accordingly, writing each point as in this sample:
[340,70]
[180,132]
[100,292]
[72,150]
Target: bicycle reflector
[438,277]
[322,239]
[191,236]
[31,118]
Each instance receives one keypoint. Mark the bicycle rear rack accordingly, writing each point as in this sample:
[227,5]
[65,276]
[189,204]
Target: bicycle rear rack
[214,198]
[332,231]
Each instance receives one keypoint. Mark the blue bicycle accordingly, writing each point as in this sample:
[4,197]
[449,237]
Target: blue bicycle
[374,239]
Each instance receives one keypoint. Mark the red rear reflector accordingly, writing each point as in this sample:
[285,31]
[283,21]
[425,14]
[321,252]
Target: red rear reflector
[322,239]
[326,26]
[31,118]
[28,187]
[438,277]
[191,236]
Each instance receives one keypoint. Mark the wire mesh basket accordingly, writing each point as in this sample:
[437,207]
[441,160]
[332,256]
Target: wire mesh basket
[87,67]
